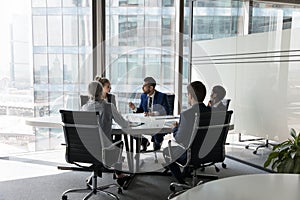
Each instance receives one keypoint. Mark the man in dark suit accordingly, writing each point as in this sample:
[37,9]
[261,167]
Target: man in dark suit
[152,103]
[182,131]
[217,95]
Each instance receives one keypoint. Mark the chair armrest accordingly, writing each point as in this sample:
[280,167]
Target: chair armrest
[171,154]
[170,148]
[187,160]
[115,144]
[112,154]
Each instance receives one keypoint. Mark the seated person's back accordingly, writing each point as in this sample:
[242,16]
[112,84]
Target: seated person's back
[107,111]
[183,130]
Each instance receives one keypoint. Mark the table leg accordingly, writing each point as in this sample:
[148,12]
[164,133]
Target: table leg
[137,154]
[132,152]
[129,150]
[128,153]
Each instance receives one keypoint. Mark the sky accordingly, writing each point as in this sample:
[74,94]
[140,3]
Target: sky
[7,10]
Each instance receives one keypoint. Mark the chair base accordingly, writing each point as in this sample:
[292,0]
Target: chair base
[196,180]
[92,189]
[91,192]
[174,194]
[183,188]
[267,144]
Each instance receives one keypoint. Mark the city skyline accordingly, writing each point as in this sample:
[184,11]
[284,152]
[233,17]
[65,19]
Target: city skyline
[8,12]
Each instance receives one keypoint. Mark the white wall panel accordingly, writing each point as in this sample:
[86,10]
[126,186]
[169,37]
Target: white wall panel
[261,79]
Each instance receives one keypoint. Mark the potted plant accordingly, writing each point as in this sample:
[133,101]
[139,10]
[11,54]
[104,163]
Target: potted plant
[285,157]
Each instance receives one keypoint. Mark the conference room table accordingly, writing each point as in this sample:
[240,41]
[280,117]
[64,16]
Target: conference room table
[139,125]
[247,187]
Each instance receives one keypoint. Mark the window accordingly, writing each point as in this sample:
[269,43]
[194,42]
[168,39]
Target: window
[268,17]
[49,43]
[137,34]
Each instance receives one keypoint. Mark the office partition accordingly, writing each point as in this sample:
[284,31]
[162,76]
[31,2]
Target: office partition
[260,74]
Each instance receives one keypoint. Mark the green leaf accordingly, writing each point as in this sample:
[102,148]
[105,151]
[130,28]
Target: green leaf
[287,166]
[271,156]
[293,133]
[297,166]
[287,142]
[293,154]
[275,164]
[284,147]
[285,157]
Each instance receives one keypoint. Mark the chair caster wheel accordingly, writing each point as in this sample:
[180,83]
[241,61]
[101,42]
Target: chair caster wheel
[120,191]
[255,152]
[224,165]
[172,188]
[64,197]
[247,147]
[217,169]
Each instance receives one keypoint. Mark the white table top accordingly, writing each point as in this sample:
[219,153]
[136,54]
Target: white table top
[151,125]
[248,187]
[45,122]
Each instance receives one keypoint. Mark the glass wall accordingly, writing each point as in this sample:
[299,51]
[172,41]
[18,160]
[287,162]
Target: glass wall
[140,42]
[45,63]
[48,46]
[258,68]
[268,17]
[16,93]
[216,19]
[62,43]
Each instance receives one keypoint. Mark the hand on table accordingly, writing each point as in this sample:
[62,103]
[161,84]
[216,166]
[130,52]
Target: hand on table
[154,113]
[131,105]
[175,124]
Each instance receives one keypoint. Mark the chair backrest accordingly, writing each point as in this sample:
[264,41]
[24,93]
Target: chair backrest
[82,136]
[171,99]
[208,145]
[226,103]
[83,99]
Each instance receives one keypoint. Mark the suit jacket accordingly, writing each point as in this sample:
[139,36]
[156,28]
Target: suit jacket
[183,132]
[111,99]
[107,113]
[160,103]
[219,107]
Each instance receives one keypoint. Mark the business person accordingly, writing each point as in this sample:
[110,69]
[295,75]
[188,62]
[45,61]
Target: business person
[106,95]
[217,95]
[182,131]
[107,112]
[152,102]
[109,97]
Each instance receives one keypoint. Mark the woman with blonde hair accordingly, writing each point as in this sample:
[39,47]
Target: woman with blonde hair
[106,95]
[107,113]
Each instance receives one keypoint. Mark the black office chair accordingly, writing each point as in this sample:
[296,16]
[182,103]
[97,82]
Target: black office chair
[83,99]
[200,152]
[171,99]
[86,148]
[226,102]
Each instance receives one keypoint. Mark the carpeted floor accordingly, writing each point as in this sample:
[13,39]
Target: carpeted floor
[246,156]
[143,187]
[35,176]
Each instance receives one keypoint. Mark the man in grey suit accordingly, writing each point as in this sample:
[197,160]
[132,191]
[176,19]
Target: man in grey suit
[217,95]
[182,131]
